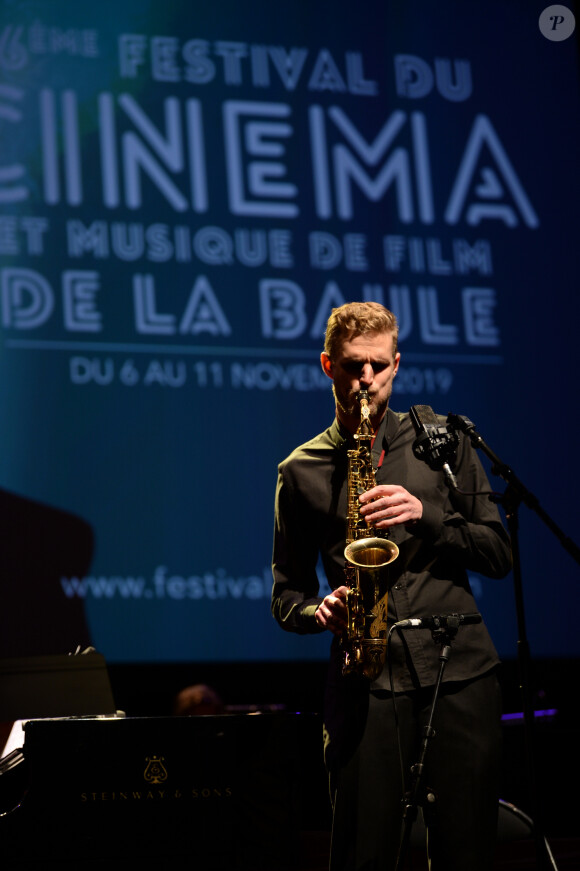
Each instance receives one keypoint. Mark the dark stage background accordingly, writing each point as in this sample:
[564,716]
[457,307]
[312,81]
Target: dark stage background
[185,192]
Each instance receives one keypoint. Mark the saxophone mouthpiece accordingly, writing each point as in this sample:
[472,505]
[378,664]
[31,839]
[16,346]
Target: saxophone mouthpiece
[363,398]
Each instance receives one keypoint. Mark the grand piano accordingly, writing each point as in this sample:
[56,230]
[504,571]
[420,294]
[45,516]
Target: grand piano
[232,791]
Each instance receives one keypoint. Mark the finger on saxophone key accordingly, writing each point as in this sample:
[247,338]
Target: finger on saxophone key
[331,613]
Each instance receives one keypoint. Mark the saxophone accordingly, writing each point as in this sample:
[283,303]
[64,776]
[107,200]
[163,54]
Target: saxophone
[366,556]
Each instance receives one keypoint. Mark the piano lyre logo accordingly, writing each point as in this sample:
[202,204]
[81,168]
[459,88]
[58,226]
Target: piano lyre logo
[155,770]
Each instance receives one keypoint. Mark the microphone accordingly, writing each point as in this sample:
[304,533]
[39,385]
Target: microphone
[436,444]
[439,621]
[462,423]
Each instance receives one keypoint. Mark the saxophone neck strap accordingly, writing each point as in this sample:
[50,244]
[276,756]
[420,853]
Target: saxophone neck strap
[378,444]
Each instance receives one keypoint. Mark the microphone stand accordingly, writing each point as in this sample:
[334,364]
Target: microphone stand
[442,636]
[515,494]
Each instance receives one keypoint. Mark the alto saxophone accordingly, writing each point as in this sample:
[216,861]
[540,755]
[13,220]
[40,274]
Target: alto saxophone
[366,555]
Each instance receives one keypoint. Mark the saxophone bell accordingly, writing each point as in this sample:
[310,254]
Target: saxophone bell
[366,598]
[369,553]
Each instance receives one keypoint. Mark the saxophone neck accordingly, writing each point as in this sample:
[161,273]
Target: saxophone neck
[365,427]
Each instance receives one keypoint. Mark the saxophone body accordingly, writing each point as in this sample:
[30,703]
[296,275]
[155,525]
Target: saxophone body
[367,554]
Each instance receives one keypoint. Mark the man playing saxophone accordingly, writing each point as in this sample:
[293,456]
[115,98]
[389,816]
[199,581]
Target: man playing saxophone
[438,535]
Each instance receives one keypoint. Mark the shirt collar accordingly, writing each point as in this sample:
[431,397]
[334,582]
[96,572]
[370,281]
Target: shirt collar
[388,428]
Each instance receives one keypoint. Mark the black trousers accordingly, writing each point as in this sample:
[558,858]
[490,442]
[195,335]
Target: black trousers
[461,769]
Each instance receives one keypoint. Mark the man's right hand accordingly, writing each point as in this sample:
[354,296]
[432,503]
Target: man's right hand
[331,614]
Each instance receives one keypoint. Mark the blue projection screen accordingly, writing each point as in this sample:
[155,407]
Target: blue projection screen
[186,190]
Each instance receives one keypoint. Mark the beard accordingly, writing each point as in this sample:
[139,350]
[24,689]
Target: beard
[349,405]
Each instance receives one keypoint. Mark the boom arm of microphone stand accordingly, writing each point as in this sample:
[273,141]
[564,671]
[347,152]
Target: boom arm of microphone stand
[516,492]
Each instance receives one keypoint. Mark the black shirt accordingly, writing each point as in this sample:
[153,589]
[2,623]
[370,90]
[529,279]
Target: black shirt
[456,533]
